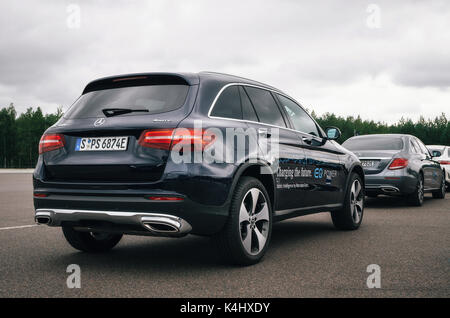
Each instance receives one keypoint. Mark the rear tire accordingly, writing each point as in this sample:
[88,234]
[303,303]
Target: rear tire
[90,242]
[246,236]
[351,215]
[440,194]
[416,198]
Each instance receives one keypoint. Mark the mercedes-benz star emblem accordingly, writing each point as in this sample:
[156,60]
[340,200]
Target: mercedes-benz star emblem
[99,122]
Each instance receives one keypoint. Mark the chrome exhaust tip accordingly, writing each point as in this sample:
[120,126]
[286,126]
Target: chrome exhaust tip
[165,224]
[390,189]
[160,227]
[161,224]
[43,219]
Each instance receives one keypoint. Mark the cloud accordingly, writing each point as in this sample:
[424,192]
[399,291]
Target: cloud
[320,52]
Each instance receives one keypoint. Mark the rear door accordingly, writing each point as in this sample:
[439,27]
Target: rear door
[324,174]
[271,126]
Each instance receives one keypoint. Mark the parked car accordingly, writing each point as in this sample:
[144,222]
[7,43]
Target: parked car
[397,164]
[442,155]
[110,166]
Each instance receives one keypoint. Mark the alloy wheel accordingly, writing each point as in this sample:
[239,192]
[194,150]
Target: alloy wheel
[254,221]
[420,192]
[356,201]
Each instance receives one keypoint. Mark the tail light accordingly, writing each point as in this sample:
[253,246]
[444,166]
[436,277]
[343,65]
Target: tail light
[398,163]
[166,139]
[51,142]
[444,162]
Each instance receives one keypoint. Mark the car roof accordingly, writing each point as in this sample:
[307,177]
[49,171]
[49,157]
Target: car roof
[188,78]
[382,135]
[228,78]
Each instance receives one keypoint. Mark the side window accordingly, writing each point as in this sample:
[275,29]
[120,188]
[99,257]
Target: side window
[229,104]
[265,106]
[248,112]
[300,119]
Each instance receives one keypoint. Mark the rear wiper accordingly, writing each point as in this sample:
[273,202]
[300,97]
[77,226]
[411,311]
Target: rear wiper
[109,112]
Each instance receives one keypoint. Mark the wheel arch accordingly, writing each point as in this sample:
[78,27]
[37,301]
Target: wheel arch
[356,168]
[254,170]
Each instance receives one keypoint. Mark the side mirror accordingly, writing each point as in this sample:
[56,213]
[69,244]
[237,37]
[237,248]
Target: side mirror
[333,133]
[435,153]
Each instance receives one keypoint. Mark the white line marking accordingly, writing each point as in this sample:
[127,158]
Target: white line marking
[16,170]
[17,227]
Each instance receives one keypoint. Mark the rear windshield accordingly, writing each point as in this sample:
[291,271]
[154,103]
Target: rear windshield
[154,98]
[374,143]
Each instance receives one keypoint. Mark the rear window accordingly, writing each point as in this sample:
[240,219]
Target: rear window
[374,143]
[154,98]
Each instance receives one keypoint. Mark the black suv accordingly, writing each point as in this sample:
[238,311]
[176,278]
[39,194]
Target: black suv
[165,154]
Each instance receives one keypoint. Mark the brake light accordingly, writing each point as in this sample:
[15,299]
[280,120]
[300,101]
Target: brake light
[166,139]
[160,198]
[51,142]
[156,138]
[444,162]
[398,163]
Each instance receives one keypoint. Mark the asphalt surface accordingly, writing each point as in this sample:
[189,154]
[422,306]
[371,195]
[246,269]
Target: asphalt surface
[307,257]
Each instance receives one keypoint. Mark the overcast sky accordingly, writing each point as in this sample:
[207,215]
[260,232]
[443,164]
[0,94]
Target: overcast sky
[381,61]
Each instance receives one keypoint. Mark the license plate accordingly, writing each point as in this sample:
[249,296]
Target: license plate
[368,163]
[102,144]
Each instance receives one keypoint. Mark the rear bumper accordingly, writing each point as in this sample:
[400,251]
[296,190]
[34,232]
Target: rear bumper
[123,210]
[391,185]
[115,221]
[204,205]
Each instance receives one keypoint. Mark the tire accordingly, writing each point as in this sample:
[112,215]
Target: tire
[416,198]
[90,242]
[440,194]
[351,215]
[246,235]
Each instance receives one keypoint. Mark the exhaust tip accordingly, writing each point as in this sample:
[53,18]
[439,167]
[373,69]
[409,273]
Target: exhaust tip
[390,190]
[43,219]
[161,227]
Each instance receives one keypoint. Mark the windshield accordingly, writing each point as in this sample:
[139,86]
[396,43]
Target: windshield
[374,143]
[153,99]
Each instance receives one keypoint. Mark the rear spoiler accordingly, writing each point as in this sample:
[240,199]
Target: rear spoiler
[143,79]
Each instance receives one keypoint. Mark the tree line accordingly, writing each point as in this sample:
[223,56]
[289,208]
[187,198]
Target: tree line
[431,131]
[20,134]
